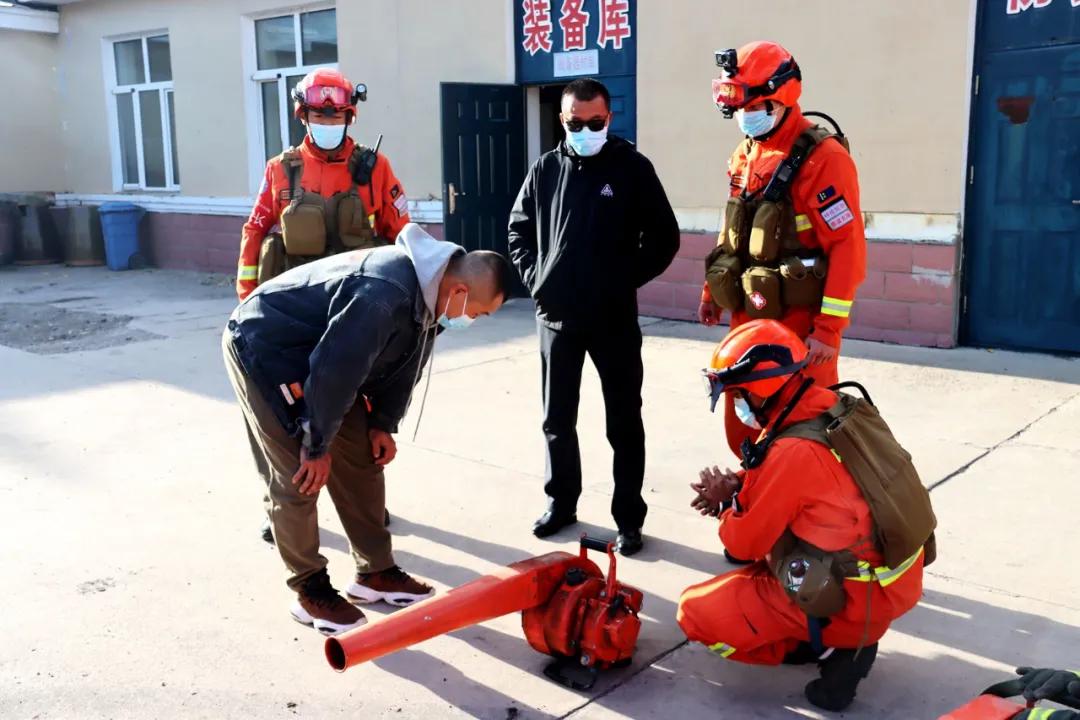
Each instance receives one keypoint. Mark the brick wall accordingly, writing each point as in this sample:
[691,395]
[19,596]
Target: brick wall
[209,243]
[908,297]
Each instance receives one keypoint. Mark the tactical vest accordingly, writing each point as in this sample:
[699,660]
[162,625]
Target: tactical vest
[313,226]
[904,520]
[759,264]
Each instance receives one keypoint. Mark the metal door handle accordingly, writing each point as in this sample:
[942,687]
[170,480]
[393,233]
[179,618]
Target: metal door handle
[1076,202]
[452,195]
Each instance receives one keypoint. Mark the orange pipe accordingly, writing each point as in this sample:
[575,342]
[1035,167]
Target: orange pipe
[516,587]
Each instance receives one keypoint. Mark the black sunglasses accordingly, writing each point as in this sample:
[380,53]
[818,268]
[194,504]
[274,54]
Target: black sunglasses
[595,124]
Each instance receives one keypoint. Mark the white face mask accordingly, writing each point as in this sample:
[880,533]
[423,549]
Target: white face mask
[327,137]
[756,123]
[745,414]
[585,142]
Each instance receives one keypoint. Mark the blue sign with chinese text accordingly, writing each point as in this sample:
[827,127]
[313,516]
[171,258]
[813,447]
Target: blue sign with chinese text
[558,40]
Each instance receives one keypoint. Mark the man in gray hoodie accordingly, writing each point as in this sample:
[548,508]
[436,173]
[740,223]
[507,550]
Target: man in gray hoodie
[323,359]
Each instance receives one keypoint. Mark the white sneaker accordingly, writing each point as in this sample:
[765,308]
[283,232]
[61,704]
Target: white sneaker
[393,586]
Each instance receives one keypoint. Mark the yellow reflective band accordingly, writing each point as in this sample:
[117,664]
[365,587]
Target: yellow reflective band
[884,575]
[836,455]
[1040,713]
[836,306]
[722,649]
[802,223]
[248,272]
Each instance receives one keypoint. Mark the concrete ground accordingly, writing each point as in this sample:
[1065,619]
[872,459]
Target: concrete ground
[138,586]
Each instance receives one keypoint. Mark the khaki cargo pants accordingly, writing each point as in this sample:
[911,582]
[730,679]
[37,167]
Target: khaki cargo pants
[356,484]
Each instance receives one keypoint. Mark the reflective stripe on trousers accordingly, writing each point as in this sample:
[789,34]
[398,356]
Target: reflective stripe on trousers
[883,574]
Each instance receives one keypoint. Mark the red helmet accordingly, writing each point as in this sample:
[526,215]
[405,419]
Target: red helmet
[757,71]
[759,356]
[326,89]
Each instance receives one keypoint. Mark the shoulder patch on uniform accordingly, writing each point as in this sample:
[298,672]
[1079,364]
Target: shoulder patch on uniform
[395,191]
[401,203]
[836,214]
[826,194]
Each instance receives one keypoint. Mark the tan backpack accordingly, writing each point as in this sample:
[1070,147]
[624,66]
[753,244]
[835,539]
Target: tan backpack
[859,437]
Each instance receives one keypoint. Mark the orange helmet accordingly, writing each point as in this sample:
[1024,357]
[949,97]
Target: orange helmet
[326,89]
[759,356]
[757,71]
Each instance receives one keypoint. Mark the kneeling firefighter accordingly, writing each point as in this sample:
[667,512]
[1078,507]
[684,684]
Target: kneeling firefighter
[792,247]
[326,195]
[828,508]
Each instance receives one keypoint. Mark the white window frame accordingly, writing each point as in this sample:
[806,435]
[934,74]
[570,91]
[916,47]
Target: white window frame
[254,78]
[113,89]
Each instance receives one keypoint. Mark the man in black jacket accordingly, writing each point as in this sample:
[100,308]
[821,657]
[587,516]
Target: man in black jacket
[303,351]
[590,226]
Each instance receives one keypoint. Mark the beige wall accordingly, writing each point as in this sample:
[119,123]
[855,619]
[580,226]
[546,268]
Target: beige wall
[205,39]
[400,49]
[29,161]
[417,45]
[894,75]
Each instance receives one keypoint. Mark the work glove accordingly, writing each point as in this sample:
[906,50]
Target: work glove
[1047,714]
[1060,686]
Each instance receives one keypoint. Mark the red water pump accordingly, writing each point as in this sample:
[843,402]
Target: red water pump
[569,610]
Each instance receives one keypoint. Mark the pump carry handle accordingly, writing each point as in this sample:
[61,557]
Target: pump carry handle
[594,544]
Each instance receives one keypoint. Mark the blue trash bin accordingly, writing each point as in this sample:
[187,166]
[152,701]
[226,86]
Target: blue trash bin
[120,228]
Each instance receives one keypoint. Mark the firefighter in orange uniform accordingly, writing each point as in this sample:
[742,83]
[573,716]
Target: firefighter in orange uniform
[801,260]
[328,195]
[791,488]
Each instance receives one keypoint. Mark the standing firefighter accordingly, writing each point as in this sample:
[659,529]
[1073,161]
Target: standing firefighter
[792,247]
[327,195]
[828,507]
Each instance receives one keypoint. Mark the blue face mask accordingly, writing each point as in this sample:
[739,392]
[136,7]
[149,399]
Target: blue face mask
[745,414]
[327,137]
[460,322]
[585,142]
[756,123]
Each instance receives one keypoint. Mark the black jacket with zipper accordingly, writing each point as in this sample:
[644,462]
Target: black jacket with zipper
[587,232]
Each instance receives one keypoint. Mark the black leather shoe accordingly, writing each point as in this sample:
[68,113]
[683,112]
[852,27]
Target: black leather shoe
[734,560]
[552,522]
[267,532]
[629,543]
[840,675]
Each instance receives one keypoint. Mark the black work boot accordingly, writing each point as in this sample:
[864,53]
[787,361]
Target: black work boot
[629,542]
[841,672]
[267,531]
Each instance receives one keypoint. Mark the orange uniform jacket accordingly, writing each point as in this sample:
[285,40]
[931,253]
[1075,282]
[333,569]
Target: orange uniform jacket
[384,198]
[825,194]
[802,487]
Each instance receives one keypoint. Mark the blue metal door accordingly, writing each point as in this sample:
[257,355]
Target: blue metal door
[623,106]
[1022,241]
